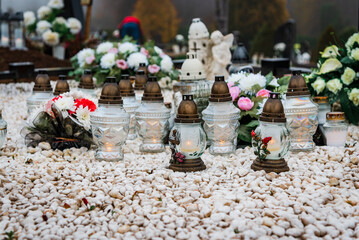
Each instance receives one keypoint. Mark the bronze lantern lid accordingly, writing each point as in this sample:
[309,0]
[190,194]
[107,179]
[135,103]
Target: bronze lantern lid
[125,86]
[141,80]
[110,93]
[42,82]
[142,67]
[273,110]
[86,81]
[187,111]
[220,91]
[62,85]
[152,90]
[297,85]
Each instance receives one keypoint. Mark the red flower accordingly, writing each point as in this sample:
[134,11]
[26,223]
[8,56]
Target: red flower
[84,102]
[85,201]
[266,140]
[56,98]
[253,133]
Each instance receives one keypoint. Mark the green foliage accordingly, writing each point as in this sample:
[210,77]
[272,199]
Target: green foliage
[9,235]
[263,41]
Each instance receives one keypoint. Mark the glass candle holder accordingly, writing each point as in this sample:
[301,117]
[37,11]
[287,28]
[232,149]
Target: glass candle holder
[301,113]
[140,82]
[130,103]
[3,130]
[86,84]
[323,108]
[17,31]
[335,129]
[5,31]
[221,119]
[110,123]
[42,92]
[187,138]
[152,118]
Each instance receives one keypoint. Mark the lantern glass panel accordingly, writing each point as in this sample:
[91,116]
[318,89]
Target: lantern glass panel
[37,100]
[323,108]
[130,105]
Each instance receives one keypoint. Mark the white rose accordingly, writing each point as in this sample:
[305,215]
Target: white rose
[42,26]
[74,25]
[83,54]
[348,76]
[108,60]
[351,40]
[319,85]
[166,64]
[334,85]
[354,96]
[59,20]
[58,4]
[43,11]
[127,47]
[135,59]
[355,54]
[51,38]
[104,47]
[29,18]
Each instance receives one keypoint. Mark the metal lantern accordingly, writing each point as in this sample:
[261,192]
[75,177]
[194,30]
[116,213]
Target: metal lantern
[3,130]
[62,86]
[335,129]
[240,60]
[302,114]
[140,83]
[17,31]
[192,81]
[110,123]
[323,108]
[130,103]
[4,28]
[272,123]
[221,119]
[86,83]
[187,138]
[152,118]
[41,93]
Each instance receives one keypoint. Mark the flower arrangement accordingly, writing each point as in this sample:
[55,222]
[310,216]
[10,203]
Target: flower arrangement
[337,77]
[52,28]
[64,122]
[111,59]
[249,92]
[261,146]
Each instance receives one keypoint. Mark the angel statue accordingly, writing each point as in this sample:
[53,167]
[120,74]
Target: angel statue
[219,55]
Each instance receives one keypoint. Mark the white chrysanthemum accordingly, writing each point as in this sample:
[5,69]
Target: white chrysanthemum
[83,54]
[65,103]
[246,83]
[29,18]
[42,26]
[104,47]
[51,38]
[58,4]
[135,59]
[108,60]
[43,11]
[166,64]
[158,50]
[127,47]
[236,77]
[59,20]
[83,116]
[74,25]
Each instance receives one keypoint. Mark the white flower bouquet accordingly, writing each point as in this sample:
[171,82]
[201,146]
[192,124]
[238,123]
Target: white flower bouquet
[113,58]
[52,28]
[337,77]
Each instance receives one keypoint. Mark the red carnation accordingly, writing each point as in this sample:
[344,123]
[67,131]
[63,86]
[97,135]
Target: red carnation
[85,103]
[266,140]
[253,133]
[56,98]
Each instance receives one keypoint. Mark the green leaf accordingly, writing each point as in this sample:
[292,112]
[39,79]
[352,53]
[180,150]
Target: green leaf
[284,81]
[269,77]
[351,112]
[253,124]
[256,88]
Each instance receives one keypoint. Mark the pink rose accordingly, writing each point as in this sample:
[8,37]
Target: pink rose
[113,50]
[153,68]
[144,52]
[245,103]
[234,91]
[263,93]
[90,59]
[122,64]
[230,84]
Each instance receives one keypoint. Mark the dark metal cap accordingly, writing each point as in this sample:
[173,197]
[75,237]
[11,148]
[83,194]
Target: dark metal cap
[187,111]
[5,16]
[42,82]
[220,91]
[86,81]
[18,16]
[62,85]
[110,93]
[320,99]
[297,85]
[141,80]
[126,88]
[273,110]
[152,90]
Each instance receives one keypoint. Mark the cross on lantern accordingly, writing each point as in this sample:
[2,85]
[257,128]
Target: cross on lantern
[195,47]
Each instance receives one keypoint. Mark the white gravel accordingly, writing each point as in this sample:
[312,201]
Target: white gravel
[42,192]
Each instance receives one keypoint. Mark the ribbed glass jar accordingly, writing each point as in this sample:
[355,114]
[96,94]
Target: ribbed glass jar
[335,129]
[130,104]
